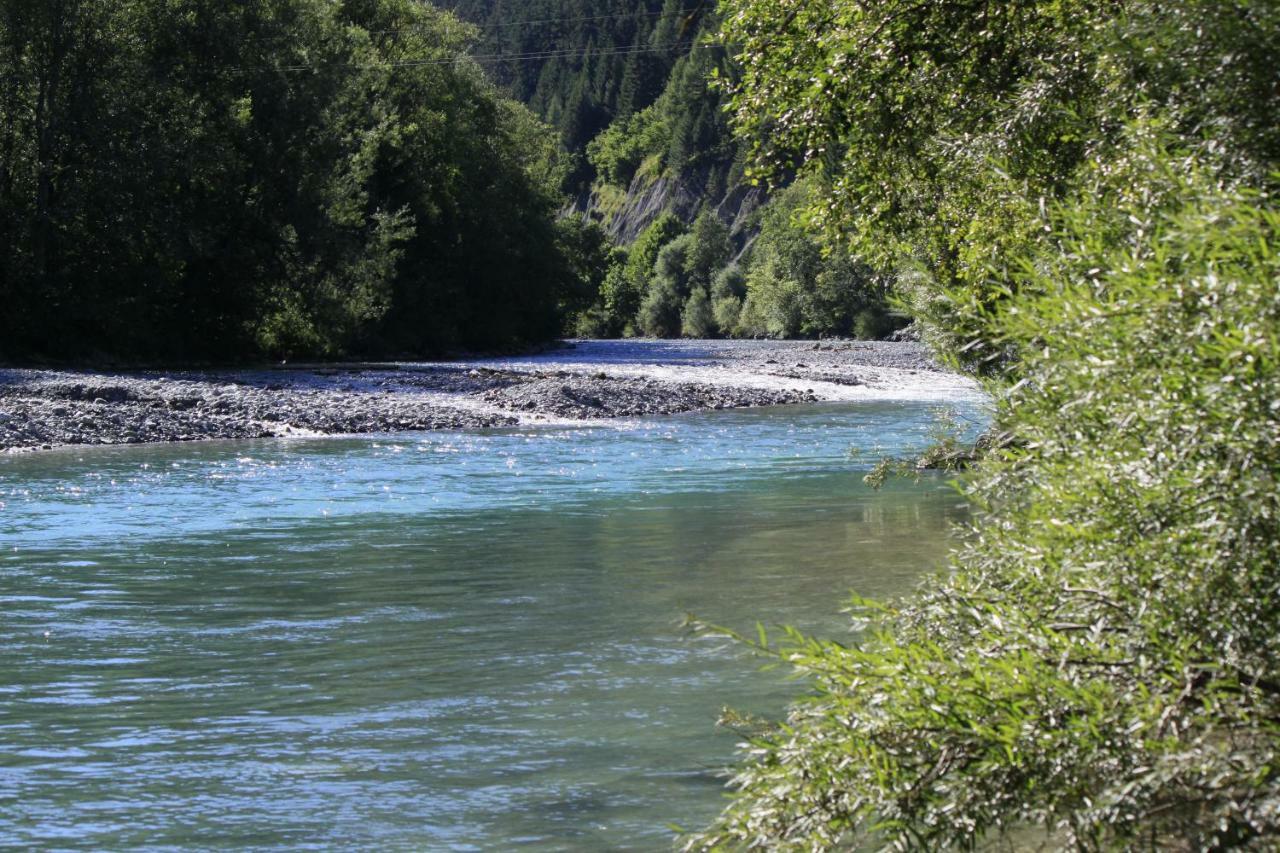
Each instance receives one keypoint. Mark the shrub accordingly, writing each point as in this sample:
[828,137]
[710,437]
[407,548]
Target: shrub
[728,288]
[698,320]
[710,249]
[672,263]
[1103,657]
[775,300]
[797,286]
[659,315]
[938,130]
[595,322]
[872,324]
[620,299]
[729,283]
[618,151]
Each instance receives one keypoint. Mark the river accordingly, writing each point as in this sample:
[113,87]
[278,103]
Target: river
[461,640]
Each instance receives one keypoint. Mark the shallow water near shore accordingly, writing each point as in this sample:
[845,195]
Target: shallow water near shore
[439,640]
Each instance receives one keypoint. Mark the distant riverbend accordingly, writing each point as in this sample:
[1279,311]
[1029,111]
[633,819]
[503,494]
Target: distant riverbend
[584,382]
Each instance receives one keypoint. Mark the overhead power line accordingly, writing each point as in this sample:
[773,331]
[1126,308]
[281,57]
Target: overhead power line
[546,21]
[485,29]
[484,58]
[498,58]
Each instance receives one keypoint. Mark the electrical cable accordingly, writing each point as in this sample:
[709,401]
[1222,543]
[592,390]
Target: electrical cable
[482,58]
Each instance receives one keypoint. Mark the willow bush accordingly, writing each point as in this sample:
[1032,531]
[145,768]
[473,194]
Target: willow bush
[1077,197]
[1102,659]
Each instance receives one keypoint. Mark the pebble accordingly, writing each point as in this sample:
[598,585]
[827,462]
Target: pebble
[41,409]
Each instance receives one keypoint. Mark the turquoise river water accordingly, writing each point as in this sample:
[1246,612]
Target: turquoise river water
[433,641]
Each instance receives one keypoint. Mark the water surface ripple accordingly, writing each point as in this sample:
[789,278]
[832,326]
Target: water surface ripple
[442,640]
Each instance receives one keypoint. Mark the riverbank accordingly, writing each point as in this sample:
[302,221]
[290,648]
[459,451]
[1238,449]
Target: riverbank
[584,381]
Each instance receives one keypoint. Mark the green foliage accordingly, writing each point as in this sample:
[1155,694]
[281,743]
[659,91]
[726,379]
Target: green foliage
[796,286]
[1103,657]
[710,249]
[618,300]
[590,256]
[673,264]
[697,320]
[673,283]
[945,451]
[1076,196]
[589,65]
[728,289]
[180,179]
[942,128]
[872,324]
[677,296]
[643,254]
[597,267]
[594,322]
[774,300]
[693,110]
[627,281]
[618,151]
[629,87]
[659,315]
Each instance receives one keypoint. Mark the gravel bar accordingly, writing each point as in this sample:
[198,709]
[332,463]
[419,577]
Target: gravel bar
[581,382]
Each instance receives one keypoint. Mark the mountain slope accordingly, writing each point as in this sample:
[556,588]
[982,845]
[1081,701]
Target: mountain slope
[657,167]
[627,86]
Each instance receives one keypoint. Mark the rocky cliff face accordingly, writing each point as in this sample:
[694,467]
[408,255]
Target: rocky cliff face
[686,195]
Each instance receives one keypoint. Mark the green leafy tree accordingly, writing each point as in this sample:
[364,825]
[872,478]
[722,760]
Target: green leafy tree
[591,256]
[659,315]
[728,289]
[668,290]
[616,301]
[200,181]
[626,284]
[583,63]
[710,249]
[673,263]
[617,152]
[797,286]
[697,319]
[774,306]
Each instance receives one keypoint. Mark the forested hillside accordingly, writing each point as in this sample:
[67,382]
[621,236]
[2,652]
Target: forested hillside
[191,180]
[300,178]
[639,70]
[581,64]
[634,89]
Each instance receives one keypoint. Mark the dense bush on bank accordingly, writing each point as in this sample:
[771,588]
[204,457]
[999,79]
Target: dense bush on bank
[279,177]
[1102,659]
[1079,197]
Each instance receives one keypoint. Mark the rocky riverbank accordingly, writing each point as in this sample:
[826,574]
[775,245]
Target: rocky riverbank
[585,381]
